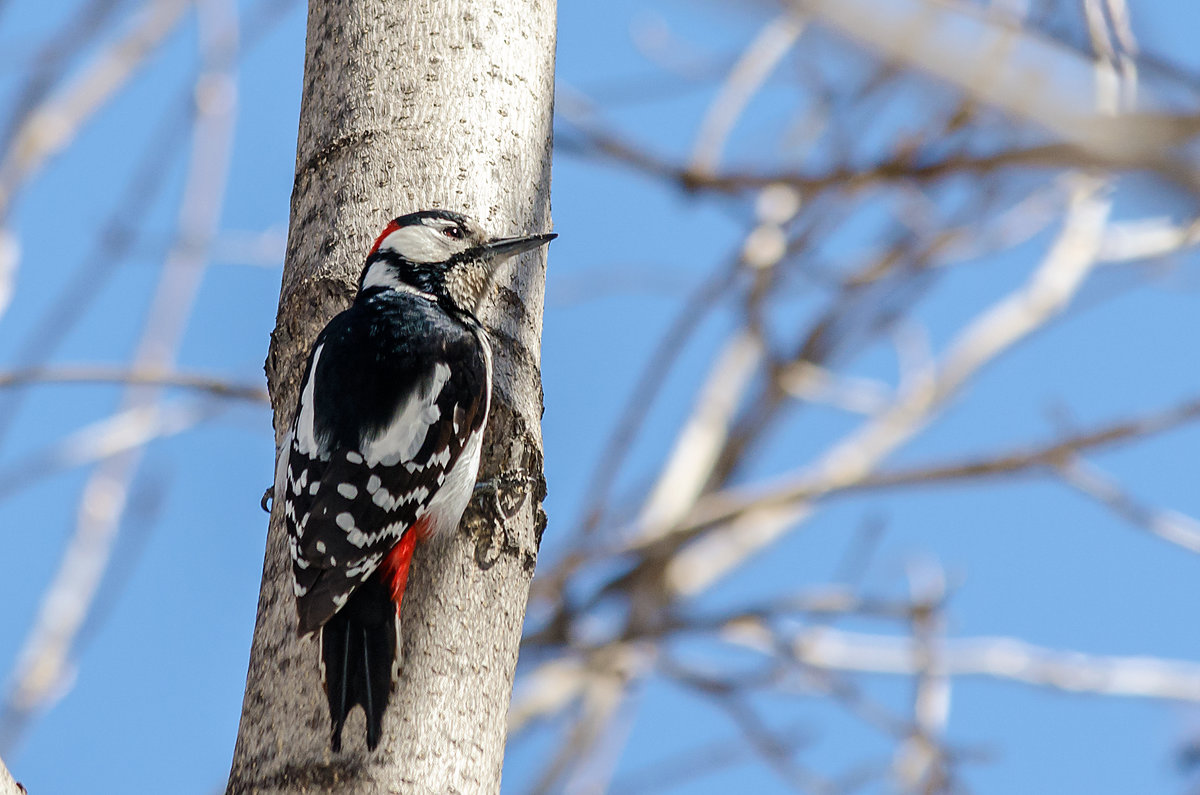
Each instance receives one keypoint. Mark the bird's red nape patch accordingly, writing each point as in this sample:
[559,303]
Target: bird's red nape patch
[391,227]
[395,565]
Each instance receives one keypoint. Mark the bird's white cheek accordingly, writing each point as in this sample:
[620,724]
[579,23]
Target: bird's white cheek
[419,244]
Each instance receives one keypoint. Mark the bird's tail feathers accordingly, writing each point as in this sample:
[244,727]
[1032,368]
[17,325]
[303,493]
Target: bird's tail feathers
[359,646]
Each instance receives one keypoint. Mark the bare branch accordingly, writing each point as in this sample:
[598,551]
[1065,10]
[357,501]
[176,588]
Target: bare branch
[1015,70]
[724,506]
[76,34]
[1171,526]
[94,374]
[9,256]
[1007,322]
[745,79]
[645,389]
[44,663]
[1007,659]
[126,430]
[699,442]
[921,763]
[1146,239]
[588,140]
[45,656]
[601,690]
[51,127]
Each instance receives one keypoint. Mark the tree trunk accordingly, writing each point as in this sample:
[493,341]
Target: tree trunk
[408,106]
[8,785]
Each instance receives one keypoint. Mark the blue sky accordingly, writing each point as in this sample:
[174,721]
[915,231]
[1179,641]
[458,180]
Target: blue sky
[155,700]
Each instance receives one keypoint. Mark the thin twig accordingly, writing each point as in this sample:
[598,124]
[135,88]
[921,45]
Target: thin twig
[1170,526]
[96,374]
[992,63]
[724,506]
[1007,659]
[50,127]
[847,179]
[645,390]
[745,79]
[1006,323]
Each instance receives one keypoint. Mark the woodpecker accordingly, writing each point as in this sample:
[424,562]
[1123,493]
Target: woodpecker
[384,447]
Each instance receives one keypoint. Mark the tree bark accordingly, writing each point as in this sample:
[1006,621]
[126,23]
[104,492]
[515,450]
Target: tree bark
[407,106]
[9,785]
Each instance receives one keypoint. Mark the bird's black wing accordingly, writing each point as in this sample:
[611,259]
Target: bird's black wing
[391,409]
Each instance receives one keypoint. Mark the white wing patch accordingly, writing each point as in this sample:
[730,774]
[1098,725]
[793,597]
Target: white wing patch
[402,439]
[305,432]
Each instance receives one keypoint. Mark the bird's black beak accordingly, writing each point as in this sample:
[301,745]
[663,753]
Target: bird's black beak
[504,247]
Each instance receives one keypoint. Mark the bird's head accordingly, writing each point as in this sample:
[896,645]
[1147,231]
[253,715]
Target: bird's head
[442,254]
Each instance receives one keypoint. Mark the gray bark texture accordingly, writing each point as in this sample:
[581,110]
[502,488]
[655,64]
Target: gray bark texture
[9,785]
[408,105]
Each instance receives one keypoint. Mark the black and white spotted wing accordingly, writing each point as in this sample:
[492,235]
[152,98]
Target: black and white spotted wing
[387,436]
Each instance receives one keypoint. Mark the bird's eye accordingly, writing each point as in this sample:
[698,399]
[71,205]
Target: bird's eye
[453,231]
